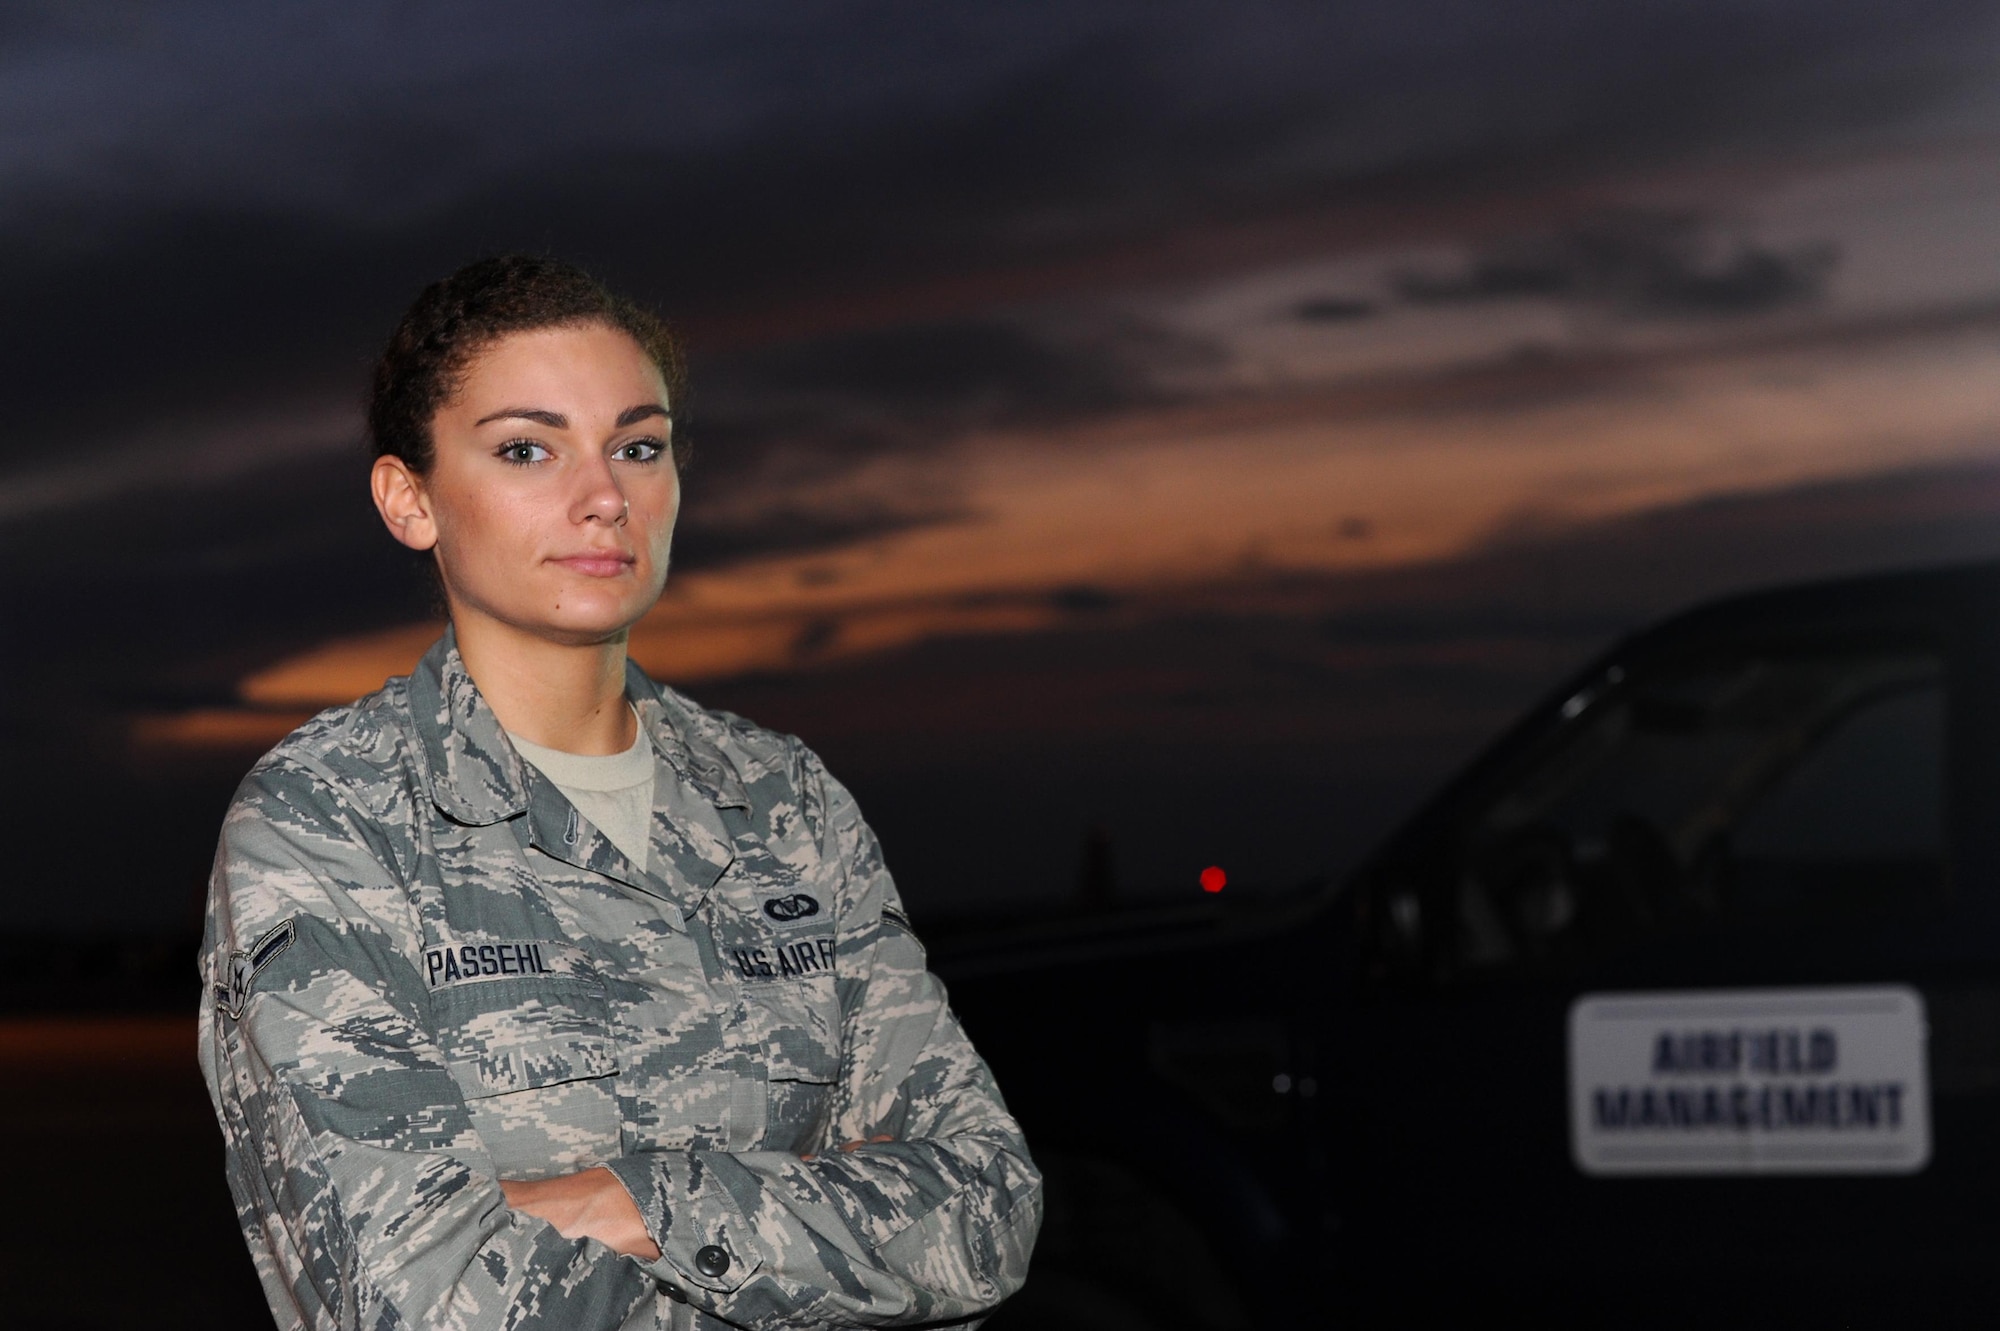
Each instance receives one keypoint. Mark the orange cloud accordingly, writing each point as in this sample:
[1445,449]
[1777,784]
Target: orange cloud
[1144,504]
[1399,441]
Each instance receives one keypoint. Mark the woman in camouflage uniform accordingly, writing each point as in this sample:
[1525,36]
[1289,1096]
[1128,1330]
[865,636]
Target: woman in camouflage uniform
[538,995]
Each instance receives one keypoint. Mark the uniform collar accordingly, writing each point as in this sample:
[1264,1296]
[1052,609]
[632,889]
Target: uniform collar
[694,758]
[475,775]
[477,778]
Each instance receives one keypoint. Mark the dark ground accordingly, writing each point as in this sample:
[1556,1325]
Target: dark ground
[117,1154]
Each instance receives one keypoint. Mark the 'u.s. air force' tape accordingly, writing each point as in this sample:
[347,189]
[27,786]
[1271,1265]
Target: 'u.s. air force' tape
[234,991]
[455,962]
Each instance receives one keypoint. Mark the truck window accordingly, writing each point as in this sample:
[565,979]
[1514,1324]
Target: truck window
[1696,793]
[1860,815]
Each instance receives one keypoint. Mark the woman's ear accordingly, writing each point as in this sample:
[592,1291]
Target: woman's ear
[403,503]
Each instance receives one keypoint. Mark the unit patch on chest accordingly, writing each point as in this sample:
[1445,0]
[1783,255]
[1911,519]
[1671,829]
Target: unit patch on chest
[791,909]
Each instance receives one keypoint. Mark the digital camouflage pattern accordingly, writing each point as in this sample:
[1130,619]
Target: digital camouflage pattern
[425,972]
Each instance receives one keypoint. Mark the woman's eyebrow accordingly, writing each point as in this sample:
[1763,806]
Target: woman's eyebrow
[555,420]
[633,415]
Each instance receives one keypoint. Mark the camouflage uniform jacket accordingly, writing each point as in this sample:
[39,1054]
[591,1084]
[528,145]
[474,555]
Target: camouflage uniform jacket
[425,972]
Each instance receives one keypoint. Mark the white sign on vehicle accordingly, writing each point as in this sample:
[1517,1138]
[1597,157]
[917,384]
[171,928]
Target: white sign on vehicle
[1792,1081]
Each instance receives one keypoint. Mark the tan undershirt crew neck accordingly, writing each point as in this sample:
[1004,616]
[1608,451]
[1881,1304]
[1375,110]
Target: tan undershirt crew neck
[613,790]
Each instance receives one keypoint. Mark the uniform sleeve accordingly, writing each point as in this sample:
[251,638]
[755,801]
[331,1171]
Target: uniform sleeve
[367,1198]
[933,1227]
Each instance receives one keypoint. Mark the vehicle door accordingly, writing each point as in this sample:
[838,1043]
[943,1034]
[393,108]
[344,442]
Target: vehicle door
[1780,809]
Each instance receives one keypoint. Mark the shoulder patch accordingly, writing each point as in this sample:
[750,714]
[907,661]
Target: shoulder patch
[234,992]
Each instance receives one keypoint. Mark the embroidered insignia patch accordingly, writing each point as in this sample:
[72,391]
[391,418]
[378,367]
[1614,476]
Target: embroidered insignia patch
[234,992]
[797,906]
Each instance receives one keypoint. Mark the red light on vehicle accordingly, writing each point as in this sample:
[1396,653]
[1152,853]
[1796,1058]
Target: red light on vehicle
[1213,879]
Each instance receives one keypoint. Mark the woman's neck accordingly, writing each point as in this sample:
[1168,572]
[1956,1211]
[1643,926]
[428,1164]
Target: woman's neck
[562,696]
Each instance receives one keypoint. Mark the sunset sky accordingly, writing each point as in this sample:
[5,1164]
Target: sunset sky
[1201,425]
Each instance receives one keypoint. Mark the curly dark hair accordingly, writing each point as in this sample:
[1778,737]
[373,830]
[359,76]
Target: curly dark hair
[454,319]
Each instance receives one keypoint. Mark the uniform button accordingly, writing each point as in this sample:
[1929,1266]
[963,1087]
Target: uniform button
[676,1293]
[711,1260]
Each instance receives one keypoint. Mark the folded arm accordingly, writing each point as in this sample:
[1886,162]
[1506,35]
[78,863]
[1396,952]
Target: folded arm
[365,1189]
[366,1194]
[932,1224]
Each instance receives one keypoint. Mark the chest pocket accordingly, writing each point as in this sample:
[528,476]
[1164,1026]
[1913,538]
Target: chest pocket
[798,1012]
[537,1064]
[793,1020]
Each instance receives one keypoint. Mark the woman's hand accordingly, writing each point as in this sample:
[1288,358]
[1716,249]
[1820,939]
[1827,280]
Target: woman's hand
[592,1204]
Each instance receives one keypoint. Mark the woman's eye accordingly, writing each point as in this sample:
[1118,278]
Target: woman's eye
[522,451]
[640,450]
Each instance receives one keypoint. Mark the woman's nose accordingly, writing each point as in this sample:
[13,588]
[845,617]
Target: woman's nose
[599,497]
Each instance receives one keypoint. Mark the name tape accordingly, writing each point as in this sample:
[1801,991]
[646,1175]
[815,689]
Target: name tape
[464,963]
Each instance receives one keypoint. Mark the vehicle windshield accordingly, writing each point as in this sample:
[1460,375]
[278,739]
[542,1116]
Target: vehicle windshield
[1808,781]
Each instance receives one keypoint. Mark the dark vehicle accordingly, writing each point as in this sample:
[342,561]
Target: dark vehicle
[1754,853]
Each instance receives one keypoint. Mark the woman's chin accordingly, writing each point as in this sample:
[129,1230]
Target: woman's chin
[580,626]
[582,630]
[568,615]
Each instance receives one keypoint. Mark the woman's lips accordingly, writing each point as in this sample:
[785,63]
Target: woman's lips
[608,565]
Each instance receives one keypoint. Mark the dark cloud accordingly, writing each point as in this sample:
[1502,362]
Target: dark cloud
[704,541]
[1280,730]
[963,369]
[1277,727]
[214,211]
[828,401]
[1642,262]
[1333,309]
[223,202]
[772,425]
[382,112]
[1581,586]
[168,597]
[1083,598]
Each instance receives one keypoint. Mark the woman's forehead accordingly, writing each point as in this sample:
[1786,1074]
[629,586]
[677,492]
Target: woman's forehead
[593,365]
